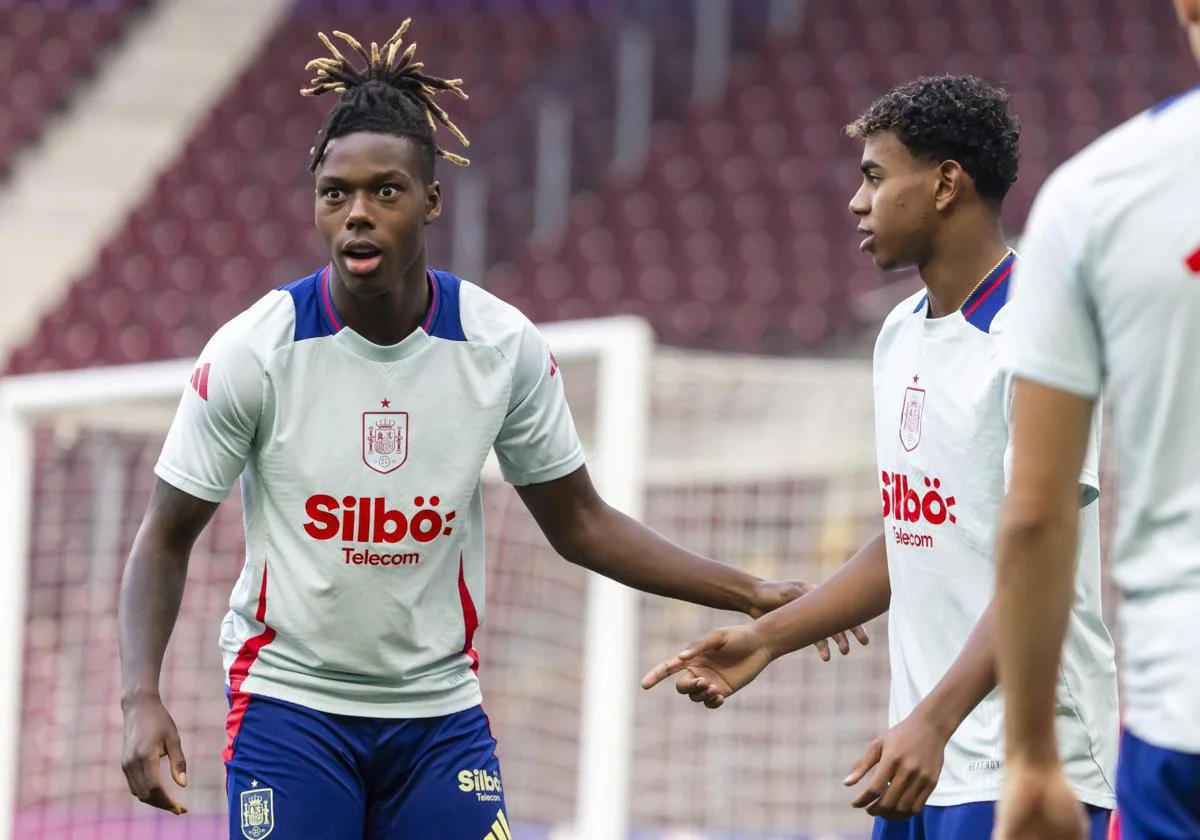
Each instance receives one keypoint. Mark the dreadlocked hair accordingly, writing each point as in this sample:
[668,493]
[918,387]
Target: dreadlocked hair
[390,95]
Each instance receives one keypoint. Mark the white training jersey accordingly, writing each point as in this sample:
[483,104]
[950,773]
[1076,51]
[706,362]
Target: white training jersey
[364,576]
[942,440]
[1110,295]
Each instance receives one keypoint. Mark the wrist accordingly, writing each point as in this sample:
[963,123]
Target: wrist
[1039,756]
[769,639]
[138,695]
[750,596]
[937,714]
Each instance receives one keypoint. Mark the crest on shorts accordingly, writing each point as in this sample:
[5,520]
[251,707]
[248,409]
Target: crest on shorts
[910,417]
[384,439]
[258,812]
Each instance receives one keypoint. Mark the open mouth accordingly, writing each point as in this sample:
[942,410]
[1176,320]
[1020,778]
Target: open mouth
[361,257]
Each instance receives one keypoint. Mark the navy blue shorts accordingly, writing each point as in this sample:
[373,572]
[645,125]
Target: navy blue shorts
[972,821]
[297,774]
[1158,792]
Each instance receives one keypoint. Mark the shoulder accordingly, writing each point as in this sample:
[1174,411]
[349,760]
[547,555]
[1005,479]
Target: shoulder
[1142,142]
[901,314]
[231,369]
[257,332]
[488,320]
[1124,168]
[907,308]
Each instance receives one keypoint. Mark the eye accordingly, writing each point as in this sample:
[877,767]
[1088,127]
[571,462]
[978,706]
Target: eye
[389,191]
[872,178]
[332,194]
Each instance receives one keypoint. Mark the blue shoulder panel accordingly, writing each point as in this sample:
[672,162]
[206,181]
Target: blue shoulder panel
[444,319]
[315,315]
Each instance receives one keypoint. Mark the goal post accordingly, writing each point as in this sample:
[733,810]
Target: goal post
[70,399]
[618,456]
[141,400]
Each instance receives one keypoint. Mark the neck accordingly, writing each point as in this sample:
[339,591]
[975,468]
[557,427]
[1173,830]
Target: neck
[388,318]
[958,263]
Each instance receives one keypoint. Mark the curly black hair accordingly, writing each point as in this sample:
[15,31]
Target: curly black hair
[960,118]
[389,95]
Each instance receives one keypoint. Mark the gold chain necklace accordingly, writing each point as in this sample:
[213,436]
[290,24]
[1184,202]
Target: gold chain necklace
[989,273]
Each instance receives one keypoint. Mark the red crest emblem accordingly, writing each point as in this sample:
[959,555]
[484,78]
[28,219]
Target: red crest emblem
[385,440]
[910,417]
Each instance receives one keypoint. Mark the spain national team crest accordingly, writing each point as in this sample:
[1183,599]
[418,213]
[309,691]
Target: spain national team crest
[385,439]
[910,417]
[258,812]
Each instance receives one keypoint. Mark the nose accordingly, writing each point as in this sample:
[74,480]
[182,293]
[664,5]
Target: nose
[860,204]
[359,213]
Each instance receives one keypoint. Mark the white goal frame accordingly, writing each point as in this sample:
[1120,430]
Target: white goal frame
[623,348]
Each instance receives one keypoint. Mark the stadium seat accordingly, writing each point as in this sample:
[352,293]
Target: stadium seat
[761,181]
[45,50]
[735,235]
[233,217]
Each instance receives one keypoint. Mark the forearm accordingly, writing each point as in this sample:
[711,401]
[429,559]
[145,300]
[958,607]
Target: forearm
[971,677]
[859,592]
[1034,586]
[619,547]
[151,591]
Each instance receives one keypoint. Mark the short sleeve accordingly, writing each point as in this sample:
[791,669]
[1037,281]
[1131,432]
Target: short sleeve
[1053,337]
[537,441]
[214,427]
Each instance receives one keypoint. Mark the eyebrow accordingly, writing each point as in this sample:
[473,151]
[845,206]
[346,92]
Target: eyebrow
[388,175]
[868,165]
[393,173]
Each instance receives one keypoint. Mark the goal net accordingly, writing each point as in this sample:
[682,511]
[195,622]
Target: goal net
[765,464]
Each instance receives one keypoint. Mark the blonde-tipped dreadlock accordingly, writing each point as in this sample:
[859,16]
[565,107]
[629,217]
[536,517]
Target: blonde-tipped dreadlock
[383,95]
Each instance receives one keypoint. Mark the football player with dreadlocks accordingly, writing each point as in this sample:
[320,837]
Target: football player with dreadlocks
[358,405]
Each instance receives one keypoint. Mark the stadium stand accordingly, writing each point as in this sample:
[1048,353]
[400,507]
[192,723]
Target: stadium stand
[45,49]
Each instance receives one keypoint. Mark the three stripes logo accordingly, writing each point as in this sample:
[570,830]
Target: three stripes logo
[200,380]
[500,830]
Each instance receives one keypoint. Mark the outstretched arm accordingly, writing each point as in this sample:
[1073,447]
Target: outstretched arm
[587,531]
[857,593]
[151,590]
[727,659]
[540,454]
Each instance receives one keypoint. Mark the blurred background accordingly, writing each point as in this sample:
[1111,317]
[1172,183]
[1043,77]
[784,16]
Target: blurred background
[678,160]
